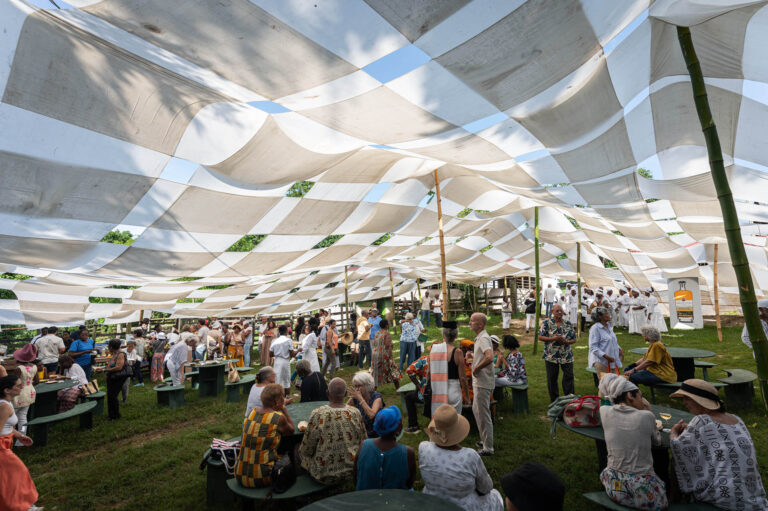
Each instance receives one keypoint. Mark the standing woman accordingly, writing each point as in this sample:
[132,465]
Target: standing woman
[506,313]
[621,309]
[447,374]
[269,334]
[530,311]
[309,345]
[605,355]
[117,373]
[637,316]
[17,491]
[655,317]
[158,355]
[282,352]
[236,346]
[383,365]
[29,378]
[299,329]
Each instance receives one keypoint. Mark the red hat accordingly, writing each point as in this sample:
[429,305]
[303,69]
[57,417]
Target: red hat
[26,355]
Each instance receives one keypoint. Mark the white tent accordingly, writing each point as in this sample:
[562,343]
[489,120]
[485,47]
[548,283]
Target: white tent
[188,123]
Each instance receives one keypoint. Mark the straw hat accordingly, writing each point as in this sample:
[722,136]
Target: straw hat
[347,338]
[26,355]
[704,393]
[447,427]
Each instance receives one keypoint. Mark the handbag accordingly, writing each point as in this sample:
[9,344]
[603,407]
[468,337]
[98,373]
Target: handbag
[227,452]
[233,376]
[283,474]
[90,388]
[423,338]
[127,370]
[427,399]
[582,412]
[556,408]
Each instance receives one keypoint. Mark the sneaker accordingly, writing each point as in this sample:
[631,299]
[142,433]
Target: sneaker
[412,430]
[479,444]
[484,452]
[139,385]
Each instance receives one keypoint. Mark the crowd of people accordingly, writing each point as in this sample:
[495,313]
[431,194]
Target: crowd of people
[355,436]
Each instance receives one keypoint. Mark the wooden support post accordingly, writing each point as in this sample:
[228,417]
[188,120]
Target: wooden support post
[346,296]
[446,300]
[538,284]
[717,302]
[392,294]
[485,293]
[578,288]
[514,295]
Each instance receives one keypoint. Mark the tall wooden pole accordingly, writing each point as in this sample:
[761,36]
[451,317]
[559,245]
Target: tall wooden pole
[728,208]
[485,293]
[446,301]
[418,290]
[538,284]
[717,302]
[578,288]
[392,294]
[505,287]
[514,295]
[346,296]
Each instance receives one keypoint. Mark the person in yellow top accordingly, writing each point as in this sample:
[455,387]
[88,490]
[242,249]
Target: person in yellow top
[656,365]
[364,338]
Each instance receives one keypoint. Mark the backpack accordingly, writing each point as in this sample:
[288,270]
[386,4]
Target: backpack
[556,408]
[227,452]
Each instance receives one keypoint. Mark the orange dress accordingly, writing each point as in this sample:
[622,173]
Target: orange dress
[17,490]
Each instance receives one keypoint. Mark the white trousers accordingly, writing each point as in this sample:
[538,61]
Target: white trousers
[530,319]
[506,317]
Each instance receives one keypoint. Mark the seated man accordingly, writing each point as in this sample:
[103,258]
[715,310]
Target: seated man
[333,437]
[313,387]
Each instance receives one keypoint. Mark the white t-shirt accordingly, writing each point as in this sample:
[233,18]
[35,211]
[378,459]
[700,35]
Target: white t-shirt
[76,372]
[426,303]
[48,348]
[254,399]
[549,294]
[178,354]
[281,347]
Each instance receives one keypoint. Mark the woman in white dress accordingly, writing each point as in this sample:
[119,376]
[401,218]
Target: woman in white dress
[655,318]
[309,345]
[573,307]
[637,314]
[453,472]
[282,350]
[622,309]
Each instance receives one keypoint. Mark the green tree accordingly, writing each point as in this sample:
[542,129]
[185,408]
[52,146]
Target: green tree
[118,237]
[647,174]
[328,241]
[382,239]
[247,243]
[299,188]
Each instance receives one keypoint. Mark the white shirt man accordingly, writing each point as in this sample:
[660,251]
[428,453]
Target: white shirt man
[49,347]
[176,358]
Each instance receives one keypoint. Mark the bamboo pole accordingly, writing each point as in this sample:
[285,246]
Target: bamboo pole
[446,300]
[717,302]
[346,296]
[418,290]
[505,287]
[392,294]
[514,295]
[578,288]
[538,284]
[485,295]
[730,218]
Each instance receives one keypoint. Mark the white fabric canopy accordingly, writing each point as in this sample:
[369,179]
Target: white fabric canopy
[187,123]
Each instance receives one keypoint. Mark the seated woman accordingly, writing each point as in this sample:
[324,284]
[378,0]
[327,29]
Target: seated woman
[365,398]
[262,431]
[264,377]
[714,455]
[656,365]
[630,431]
[453,472]
[382,463]
[513,372]
[67,398]
[313,387]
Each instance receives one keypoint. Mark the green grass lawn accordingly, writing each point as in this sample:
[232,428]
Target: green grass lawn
[150,458]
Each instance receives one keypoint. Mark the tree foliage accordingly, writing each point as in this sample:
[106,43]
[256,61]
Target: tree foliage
[328,241]
[647,174]
[383,239]
[299,188]
[118,237]
[247,243]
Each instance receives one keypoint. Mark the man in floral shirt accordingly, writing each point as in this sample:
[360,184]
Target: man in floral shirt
[418,372]
[558,334]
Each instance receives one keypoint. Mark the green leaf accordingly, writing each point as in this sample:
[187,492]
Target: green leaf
[99,299]
[383,239]
[647,174]
[15,276]
[464,212]
[330,240]
[186,279]
[486,249]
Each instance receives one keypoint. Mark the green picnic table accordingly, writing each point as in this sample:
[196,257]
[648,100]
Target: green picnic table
[388,500]
[210,378]
[46,394]
[683,359]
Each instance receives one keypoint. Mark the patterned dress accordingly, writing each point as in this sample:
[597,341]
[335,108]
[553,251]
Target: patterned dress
[516,374]
[258,451]
[384,368]
[717,464]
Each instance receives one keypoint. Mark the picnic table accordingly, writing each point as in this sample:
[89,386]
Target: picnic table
[210,378]
[46,394]
[683,359]
[301,412]
[660,453]
[382,499]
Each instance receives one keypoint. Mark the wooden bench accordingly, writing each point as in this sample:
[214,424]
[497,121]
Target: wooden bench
[601,499]
[171,396]
[304,486]
[98,398]
[39,425]
[519,398]
[233,389]
[704,367]
[244,369]
[739,389]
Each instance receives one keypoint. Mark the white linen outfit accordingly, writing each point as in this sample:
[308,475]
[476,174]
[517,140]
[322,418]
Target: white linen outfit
[309,351]
[622,302]
[602,341]
[174,359]
[281,350]
[654,312]
[637,317]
